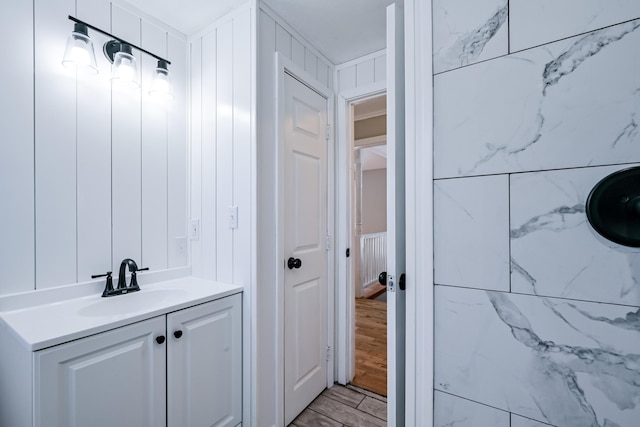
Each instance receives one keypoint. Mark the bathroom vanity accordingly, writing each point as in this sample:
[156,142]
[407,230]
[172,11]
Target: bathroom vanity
[168,355]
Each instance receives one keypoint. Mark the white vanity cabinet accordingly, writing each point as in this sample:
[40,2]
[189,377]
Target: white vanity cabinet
[177,368]
[204,365]
[115,378]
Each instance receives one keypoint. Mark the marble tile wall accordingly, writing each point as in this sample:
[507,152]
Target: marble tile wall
[471,241]
[537,316]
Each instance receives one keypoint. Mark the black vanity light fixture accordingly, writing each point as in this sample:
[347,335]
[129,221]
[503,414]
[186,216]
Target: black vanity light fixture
[80,55]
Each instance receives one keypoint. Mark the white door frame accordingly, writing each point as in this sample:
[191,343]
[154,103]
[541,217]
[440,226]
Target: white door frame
[345,316]
[285,65]
[419,212]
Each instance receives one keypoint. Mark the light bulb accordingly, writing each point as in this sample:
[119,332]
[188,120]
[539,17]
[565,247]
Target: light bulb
[125,68]
[161,86]
[79,54]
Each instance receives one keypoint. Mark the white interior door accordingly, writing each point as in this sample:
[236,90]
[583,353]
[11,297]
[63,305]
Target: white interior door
[396,302]
[305,245]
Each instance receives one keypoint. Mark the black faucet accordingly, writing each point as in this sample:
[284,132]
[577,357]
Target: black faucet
[122,279]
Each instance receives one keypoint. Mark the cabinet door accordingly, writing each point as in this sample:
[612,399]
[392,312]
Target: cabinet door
[205,365]
[115,378]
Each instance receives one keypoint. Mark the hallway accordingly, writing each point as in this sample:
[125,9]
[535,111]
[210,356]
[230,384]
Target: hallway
[371,345]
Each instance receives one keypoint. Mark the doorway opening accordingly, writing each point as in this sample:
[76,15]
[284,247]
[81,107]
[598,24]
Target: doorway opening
[369,242]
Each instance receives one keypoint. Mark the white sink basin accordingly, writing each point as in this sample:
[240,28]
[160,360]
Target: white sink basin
[131,303]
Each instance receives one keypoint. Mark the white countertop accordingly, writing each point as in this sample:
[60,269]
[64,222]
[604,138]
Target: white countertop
[46,325]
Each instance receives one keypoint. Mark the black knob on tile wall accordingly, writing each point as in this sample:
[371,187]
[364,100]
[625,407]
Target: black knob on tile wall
[613,207]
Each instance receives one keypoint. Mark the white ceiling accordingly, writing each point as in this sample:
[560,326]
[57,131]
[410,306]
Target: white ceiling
[187,16]
[340,29]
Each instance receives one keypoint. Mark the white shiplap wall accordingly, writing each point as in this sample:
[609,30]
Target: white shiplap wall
[88,175]
[362,72]
[221,147]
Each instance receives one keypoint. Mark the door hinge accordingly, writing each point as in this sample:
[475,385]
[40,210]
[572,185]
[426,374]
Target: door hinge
[328,353]
[328,242]
[328,135]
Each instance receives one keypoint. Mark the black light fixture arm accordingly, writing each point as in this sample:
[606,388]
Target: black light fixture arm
[78,21]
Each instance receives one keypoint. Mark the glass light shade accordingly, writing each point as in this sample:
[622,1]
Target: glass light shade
[161,84]
[125,68]
[79,53]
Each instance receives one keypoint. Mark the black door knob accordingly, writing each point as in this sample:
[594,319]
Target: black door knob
[177,334]
[294,263]
[382,278]
[160,339]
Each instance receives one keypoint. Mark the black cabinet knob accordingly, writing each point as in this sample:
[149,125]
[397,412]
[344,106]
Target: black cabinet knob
[294,263]
[177,334]
[160,339]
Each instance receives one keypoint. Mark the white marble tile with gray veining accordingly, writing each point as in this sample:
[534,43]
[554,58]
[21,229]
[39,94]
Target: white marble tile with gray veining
[453,411]
[518,421]
[568,104]
[542,21]
[471,232]
[556,252]
[468,31]
[561,362]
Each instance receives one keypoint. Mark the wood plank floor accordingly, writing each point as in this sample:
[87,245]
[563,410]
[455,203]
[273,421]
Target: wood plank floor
[342,406]
[371,345]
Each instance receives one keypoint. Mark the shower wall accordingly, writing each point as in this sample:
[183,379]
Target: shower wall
[537,316]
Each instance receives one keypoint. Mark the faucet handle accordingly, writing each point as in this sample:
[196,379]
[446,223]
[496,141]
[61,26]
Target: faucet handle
[107,275]
[109,286]
[133,286]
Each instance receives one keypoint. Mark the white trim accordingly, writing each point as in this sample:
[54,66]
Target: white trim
[250,303]
[419,196]
[371,115]
[370,142]
[361,59]
[285,65]
[345,321]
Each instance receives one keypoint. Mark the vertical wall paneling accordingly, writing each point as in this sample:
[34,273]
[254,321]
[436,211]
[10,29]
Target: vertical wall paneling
[362,72]
[347,78]
[380,69]
[311,63]
[225,141]
[154,156]
[283,41]
[365,73]
[17,149]
[208,227]
[297,52]
[126,153]
[196,153]
[242,145]
[94,151]
[323,73]
[177,154]
[55,146]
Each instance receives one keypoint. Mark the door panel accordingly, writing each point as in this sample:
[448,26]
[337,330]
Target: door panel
[204,364]
[396,303]
[115,378]
[305,227]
